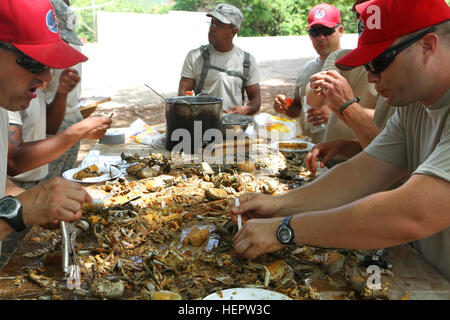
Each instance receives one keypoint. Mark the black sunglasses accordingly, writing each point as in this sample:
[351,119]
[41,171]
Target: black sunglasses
[25,61]
[380,63]
[315,32]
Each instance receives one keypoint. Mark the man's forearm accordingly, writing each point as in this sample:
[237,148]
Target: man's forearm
[349,148]
[345,183]
[360,120]
[43,151]
[11,189]
[56,111]
[185,84]
[5,230]
[253,106]
[380,220]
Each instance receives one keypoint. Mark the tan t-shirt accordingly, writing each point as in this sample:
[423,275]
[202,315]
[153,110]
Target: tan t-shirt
[312,67]
[418,137]
[383,112]
[3,150]
[219,84]
[357,79]
[34,126]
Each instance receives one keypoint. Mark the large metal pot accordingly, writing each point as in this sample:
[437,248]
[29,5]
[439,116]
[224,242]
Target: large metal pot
[191,113]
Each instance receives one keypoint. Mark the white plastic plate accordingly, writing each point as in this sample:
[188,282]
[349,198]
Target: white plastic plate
[308,148]
[246,294]
[109,173]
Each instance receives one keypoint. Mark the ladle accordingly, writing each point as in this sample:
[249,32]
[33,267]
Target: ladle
[165,100]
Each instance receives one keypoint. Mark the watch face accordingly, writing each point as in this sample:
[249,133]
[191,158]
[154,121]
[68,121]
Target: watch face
[285,234]
[8,208]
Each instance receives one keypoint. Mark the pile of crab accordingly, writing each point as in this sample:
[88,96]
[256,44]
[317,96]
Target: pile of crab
[164,233]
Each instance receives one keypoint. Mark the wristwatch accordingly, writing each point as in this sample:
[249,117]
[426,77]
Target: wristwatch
[285,233]
[11,212]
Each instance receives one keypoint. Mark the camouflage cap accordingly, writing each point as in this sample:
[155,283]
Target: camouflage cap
[66,22]
[228,14]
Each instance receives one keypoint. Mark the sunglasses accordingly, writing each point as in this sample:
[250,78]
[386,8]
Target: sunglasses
[216,25]
[315,32]
[25,61]
[380,63]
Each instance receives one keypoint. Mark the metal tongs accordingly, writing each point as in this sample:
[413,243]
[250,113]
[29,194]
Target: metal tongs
[69,258]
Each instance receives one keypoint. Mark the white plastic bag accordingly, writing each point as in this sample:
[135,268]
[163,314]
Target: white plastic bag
[275,127]
[143,133]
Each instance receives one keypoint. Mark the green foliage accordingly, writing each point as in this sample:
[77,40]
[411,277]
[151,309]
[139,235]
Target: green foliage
[275,17]
[261,17]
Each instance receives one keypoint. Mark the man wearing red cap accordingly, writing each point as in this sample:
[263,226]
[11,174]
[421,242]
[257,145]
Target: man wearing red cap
[328,47]
[325,31]
[30,151]
[401,40]
[29,46]
[331,84]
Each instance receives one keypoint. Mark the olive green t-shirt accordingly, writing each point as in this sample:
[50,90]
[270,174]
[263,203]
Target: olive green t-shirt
[418,137]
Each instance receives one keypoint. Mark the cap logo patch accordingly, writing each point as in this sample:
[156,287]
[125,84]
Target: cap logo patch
[320,13]
[51,22]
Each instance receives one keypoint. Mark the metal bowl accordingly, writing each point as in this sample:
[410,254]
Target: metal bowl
[236,122]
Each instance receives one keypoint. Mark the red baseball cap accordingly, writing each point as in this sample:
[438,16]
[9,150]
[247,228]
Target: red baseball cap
[325,15]
[384,21]
[30,26]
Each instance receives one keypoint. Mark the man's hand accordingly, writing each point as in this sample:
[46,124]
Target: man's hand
[68,80]
[318,116]
[95,127]
[279,104]
[333,86]
[240,110]
[52,201]
[328,150]
[254,205]
[256,237]
[247,109]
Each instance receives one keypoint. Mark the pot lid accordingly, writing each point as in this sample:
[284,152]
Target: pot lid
[235,118]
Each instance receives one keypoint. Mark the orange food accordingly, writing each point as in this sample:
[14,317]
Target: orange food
[196,236]
[288,102]
[292,145]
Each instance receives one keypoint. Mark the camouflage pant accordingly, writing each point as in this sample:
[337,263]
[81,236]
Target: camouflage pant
[68,160]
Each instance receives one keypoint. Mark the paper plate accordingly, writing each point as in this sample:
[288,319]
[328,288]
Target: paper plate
[308,148]
[109,174]
[246,294]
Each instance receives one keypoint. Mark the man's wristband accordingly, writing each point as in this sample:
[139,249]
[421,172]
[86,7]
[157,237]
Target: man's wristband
[349,102]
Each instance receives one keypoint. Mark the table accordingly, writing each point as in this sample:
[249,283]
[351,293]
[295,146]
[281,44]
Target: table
[412,274]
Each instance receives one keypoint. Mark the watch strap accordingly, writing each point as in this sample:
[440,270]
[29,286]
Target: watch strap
[349,102]
[287,223]
[19,224]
